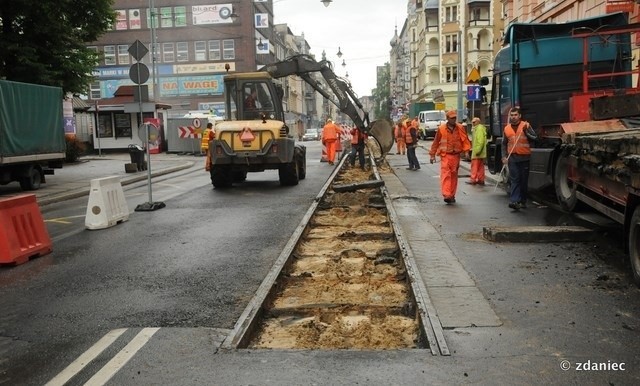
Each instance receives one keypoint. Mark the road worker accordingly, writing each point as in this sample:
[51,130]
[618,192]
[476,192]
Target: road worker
[478,152]
[330,135]
[398,133]
[358,139]
[516,153]
[411,140]
[450,141]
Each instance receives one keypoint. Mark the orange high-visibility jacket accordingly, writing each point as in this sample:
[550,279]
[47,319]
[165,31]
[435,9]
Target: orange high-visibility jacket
[450,142]
[330,132]
[517,140]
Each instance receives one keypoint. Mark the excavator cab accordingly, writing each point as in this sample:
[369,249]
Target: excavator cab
[252,96]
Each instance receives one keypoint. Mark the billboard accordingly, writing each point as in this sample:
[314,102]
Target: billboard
[212,14]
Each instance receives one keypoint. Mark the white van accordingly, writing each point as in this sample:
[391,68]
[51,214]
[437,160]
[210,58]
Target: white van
[429,122]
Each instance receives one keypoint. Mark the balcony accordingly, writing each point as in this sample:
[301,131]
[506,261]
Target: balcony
[479,22]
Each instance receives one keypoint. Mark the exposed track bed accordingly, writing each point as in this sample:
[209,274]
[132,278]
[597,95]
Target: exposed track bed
[344,283]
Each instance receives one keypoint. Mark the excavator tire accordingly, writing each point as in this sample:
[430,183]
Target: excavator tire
[238,176]
[300,156]
[634,244]
[220,177]
[382,131]
[288,173]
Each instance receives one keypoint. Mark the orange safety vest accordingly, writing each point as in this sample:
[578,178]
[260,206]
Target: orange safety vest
[452,142]
[356,134]
[399,132]
[518,142]
[408,139]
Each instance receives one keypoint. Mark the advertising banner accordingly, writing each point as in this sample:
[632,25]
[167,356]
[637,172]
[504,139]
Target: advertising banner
[212,14]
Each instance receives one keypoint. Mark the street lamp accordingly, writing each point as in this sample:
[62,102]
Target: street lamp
[344,64]
[260,44]
[326,2]
[339,54]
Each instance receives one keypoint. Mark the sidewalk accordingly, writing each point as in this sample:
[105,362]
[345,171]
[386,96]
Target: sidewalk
[74,180]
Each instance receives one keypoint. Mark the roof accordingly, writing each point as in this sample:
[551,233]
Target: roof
[79,104]
[124,94]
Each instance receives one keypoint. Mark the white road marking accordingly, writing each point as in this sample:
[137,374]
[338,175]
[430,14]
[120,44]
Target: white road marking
[121,359]
[76,366]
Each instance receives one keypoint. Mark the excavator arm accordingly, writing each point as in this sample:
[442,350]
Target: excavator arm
[345,98]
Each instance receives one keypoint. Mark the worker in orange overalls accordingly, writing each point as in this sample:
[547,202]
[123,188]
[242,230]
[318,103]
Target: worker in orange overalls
[451,140]
[330,134]
[411,139]
[358,139]
[398,133]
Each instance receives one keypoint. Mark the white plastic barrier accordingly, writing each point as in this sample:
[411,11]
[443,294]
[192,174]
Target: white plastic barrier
[107,205]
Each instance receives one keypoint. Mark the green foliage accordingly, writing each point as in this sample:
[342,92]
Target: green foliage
[44,41]
[75,149]
[381,94]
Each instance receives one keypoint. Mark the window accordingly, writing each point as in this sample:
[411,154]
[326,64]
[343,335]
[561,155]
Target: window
[123,125]
[214,50]
[123,54]
[182,51]
[451,43]
[475,14]
[166,17]
[121,20]
[110,55]
[152,12]
[180,16]
[451,74]
[200,49]
[451,14]
[228,49]
[168,54]
[94,90]
[105,129]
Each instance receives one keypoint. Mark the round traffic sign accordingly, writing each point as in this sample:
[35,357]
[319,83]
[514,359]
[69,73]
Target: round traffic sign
[196,122]
[139,73]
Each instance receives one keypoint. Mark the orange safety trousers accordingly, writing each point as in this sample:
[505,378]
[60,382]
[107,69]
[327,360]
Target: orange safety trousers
[401,147]
[449,164]
[477,170]
[331,149]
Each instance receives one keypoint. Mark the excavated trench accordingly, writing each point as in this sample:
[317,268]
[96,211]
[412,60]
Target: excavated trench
[345,283]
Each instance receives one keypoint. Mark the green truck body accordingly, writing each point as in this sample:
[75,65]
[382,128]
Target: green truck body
[32,139]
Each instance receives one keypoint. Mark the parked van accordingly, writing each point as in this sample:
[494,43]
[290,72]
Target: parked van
[429,122]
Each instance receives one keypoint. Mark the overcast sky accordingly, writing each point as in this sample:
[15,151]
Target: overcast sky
[361,28]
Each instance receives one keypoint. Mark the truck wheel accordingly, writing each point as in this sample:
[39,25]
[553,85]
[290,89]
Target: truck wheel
[33,179]
[565,189]
[634,245]
[288,173]
[220,178]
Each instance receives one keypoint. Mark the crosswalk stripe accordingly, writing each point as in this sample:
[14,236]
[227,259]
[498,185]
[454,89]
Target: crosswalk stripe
[76,366]
[121,359]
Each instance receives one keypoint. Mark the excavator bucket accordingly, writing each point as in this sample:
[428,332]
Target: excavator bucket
[382,131]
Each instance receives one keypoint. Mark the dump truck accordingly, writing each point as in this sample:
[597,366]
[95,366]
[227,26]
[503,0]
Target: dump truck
[254,137]
[585,109]
[32,141]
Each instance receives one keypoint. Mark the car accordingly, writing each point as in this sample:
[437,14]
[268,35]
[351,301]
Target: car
[311,135]
[429,122]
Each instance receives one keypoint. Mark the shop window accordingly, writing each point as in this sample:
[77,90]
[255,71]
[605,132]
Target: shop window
[105,128]
[123,125]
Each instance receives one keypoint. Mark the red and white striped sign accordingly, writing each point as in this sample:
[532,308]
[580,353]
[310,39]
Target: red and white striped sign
[189,132]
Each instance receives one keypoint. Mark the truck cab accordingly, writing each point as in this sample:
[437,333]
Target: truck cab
[251,95]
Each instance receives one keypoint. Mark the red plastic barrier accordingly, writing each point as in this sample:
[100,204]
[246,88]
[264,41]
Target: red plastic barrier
[22,230]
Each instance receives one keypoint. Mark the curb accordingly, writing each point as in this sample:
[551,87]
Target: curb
[124,181]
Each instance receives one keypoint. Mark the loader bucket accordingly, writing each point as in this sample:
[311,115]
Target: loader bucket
[382,131]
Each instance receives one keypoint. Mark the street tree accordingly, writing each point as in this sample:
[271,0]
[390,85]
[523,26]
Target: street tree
[381,94]
[45,41]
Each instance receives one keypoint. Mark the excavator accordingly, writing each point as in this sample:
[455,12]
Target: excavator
[254,137]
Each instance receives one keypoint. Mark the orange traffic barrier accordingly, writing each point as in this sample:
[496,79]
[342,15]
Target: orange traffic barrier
[22,230]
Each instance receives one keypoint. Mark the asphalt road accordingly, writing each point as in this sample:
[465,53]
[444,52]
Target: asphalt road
[192,267]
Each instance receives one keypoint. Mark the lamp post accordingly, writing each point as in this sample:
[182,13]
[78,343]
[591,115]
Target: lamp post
[326,2]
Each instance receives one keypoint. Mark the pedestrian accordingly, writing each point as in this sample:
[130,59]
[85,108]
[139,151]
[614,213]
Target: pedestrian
[516,154]
[399,131]
[358,139]
[450,141]
[478,152]
[411,139]
[330,134]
